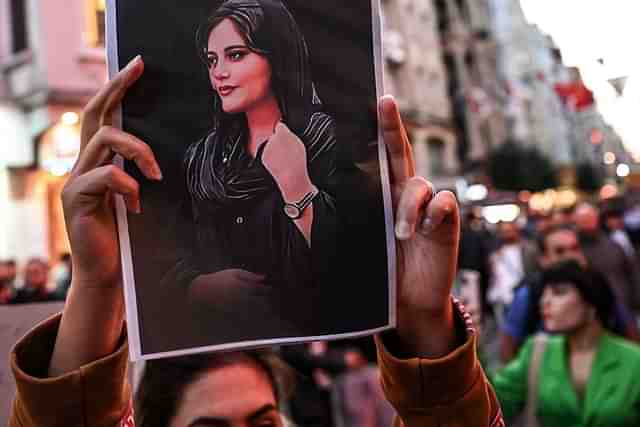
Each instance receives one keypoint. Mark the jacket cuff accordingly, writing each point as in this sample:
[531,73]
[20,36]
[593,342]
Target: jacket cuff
[96,394]
[418,383]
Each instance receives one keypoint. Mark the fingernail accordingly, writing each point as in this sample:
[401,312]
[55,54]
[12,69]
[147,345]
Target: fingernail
[137,208]
[132,63]
[388,100]
[157,173]
[403,230]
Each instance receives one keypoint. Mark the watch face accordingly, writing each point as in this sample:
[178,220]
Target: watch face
[292,211]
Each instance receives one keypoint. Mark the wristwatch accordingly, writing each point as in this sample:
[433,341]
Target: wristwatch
[295,210]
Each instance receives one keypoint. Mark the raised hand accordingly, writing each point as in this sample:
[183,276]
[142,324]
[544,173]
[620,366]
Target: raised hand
[285,157]
[93,315]
[427,231]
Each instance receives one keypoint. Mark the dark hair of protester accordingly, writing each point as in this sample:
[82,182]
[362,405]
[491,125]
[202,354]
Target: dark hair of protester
[164,381]
[541,240]
[269,30]
[591,285]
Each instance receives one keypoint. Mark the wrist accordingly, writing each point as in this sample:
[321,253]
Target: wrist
[296,190]
[426,333]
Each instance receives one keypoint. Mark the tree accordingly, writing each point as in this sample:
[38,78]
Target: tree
[512,167]
[588,177]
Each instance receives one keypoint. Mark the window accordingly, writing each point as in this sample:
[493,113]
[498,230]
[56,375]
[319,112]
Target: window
[436,156]
[95,34]
[19,38]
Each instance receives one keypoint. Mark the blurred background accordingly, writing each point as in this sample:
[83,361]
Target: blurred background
[524,108]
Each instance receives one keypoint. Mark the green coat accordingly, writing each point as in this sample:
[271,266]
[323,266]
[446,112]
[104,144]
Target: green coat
[612,397]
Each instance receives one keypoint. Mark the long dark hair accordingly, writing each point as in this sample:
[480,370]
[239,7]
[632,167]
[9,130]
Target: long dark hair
[270,30]
[164,381]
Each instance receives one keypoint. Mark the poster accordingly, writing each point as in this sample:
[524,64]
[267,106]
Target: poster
[272,223]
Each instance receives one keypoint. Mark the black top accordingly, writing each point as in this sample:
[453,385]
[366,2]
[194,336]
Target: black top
[248,229]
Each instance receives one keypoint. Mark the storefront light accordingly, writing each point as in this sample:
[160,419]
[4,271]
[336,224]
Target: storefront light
[623,170]
[70,118]
[497,213]
[609,158]
[477,192]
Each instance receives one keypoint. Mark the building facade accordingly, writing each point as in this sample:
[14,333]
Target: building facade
[51,62]
[415,74]
[440,62]
[529,67]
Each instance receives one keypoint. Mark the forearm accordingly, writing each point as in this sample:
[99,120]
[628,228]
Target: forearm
[449,390]
[90,328]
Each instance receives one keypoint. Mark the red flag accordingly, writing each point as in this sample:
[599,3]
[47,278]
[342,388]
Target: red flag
[575,95]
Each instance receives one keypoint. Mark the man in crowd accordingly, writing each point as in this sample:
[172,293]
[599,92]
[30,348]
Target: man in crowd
[475,244]
[607,257]
[510,263]
[556,245]
[613,221]
[35,287]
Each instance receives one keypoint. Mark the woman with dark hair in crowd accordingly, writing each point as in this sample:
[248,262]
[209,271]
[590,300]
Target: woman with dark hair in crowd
[260,183]
[71,370]
[586,375]
[173,389]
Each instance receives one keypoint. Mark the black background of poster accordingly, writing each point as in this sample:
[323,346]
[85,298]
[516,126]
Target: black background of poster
[169,109]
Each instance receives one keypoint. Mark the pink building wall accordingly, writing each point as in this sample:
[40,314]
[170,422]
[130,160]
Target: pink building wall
[70,65]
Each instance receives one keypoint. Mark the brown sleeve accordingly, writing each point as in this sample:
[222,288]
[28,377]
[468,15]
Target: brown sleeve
[97,394]
[450,391]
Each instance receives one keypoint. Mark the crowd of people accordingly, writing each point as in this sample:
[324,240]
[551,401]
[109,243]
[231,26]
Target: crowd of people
[37,281]
[560,295]
[587,255]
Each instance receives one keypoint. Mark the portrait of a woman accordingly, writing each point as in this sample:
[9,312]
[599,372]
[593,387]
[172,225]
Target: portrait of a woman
[260,182]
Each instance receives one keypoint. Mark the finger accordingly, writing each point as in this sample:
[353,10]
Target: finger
[442,207]
[93,186]
[109,141]
[99,109]
[396,140]
[416,193]
[249,276]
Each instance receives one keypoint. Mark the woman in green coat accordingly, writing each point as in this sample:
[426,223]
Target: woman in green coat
[587,376]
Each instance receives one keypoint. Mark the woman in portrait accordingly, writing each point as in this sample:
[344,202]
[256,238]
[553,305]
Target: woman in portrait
[260,182]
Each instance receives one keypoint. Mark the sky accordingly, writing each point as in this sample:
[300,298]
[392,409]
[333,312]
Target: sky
[588,30]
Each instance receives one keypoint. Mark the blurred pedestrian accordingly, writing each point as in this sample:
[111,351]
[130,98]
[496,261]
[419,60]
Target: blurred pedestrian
[358,399]
[62,277]
[35,287]
[607,257]
[510,263]
[7,280]
[318,364]
[583,375]
[523,318]
[613,222]
[474,252]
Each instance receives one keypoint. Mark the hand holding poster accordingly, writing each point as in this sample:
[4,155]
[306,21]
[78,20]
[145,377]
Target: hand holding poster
[272,222]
